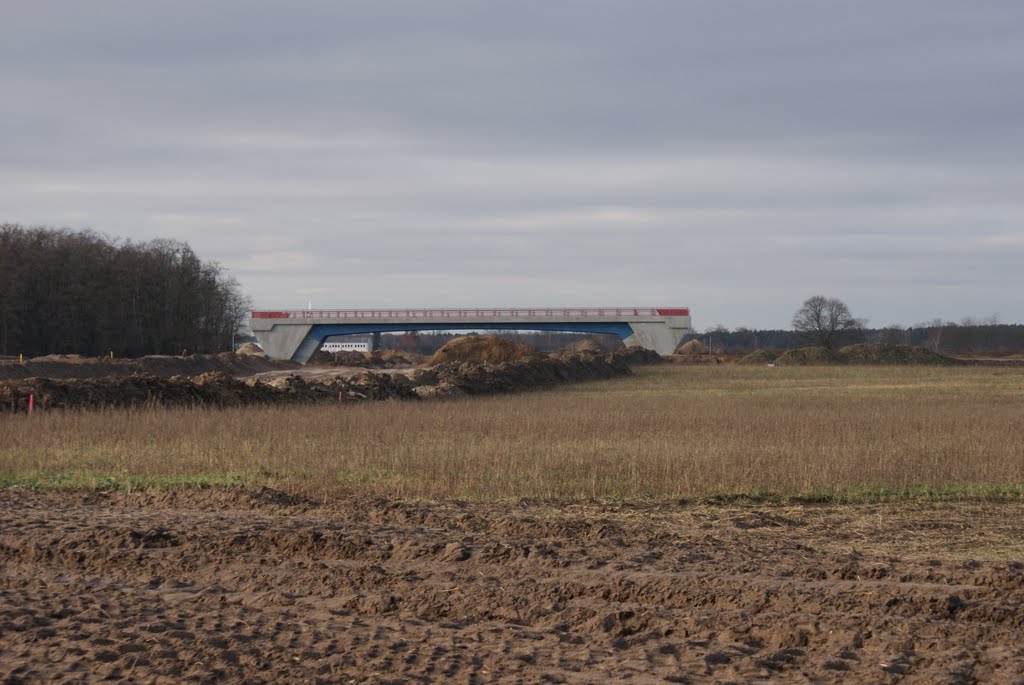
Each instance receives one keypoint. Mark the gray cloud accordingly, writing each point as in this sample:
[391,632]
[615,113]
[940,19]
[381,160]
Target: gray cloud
[734,157]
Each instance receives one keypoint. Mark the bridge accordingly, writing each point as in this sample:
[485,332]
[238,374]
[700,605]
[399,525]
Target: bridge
[297,334]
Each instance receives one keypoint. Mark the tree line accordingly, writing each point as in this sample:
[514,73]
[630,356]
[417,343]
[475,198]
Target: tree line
[827,322]
[78,292]
[944,337]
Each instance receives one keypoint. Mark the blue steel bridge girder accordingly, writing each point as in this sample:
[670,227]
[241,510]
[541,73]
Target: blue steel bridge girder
[321,331]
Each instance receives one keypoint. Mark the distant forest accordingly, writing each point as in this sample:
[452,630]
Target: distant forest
[65,292]
[944,337]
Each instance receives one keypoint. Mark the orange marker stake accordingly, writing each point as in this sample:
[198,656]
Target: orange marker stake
[31,403]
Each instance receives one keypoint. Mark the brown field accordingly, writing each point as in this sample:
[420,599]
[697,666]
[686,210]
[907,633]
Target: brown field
[258,587]
[688,524]
[666,432]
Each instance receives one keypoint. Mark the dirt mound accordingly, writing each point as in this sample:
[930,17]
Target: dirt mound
[635,356]
[807,356]
[584,346]
[759,357]
[865,353]
[481,349]
[694,347]
[250,350]
[339,358]
[164,366]
[215,389]
[219,389]
[453,378]
[880,353]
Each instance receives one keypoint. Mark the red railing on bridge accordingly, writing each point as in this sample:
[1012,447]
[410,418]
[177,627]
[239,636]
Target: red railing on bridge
[548,312]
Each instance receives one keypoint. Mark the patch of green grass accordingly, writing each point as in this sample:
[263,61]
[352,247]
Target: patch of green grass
[875,494]
[958,492]
[87,480]
[375,478]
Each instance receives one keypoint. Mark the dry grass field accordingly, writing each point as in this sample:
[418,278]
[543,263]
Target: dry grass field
[833,433]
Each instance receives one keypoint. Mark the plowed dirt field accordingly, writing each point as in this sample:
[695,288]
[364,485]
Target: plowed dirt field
[258,586]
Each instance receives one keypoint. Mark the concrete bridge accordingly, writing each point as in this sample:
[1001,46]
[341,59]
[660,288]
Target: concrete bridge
[297,334]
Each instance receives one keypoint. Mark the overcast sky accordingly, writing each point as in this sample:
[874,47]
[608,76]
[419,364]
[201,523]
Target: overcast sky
[731,156]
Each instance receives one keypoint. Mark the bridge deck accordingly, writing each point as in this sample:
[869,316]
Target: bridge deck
[296,334]
[502,313]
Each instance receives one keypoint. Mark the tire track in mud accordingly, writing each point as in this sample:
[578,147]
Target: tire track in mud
[261,587]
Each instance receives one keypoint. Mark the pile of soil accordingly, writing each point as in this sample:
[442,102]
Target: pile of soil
[453,379]
[585,346]
[481,349]
[807,356]
[213,389]
[219,389]
[759,357]
[339,358]
[694,347]
[74,366]
[250,350]
[263,586]
[880,353]
[862,354]
[635,356]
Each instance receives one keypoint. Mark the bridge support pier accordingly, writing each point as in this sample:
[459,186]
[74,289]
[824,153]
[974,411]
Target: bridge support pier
[282,342]
[662,338]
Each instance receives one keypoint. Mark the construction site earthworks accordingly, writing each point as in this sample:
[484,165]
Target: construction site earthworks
[492,514]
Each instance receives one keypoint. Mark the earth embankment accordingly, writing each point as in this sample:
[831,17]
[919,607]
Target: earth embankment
[220,389]
[161,366]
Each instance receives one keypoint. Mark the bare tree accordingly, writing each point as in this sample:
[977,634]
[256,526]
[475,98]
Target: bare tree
[936,327]
[825,320]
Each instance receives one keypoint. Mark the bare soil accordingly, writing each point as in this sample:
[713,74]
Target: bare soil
[260,587]
[220,389]
[481,349]
[161,366]
[378,359]
[693,347]
[584,346]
